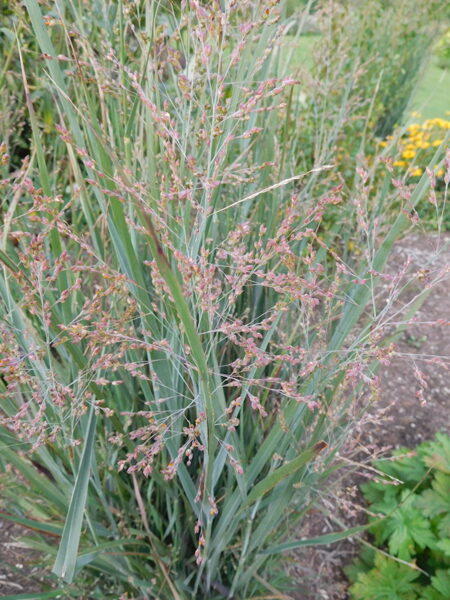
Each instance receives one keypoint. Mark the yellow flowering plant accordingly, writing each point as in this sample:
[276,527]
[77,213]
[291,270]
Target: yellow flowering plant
[418,145]
[414,150]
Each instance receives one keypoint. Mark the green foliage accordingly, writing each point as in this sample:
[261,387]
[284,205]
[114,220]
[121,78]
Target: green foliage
[389,42]
[442,50]
[366,63]
[389,580]
[413,496]
[413,148]
[181,342]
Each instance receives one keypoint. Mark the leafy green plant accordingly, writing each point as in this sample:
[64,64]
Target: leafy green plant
[413,499]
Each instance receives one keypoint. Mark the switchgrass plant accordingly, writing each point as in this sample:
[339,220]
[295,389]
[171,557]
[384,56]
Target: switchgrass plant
[371,54]
[184,343]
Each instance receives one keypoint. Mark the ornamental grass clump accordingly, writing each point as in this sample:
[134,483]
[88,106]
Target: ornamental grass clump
[183,341]
[364,66]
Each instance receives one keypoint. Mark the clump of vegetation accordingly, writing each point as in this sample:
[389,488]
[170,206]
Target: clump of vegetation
[410,508]
[417,145]
[414,146]
[365,65]
[185,342]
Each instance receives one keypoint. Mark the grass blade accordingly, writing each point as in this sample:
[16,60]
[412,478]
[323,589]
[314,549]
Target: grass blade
[67,554]
[34,479]
[31,524]
[38,596]
[281,473]
[329,538]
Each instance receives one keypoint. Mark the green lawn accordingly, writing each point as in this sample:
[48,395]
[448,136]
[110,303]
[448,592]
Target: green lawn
[299,50]
[431,97]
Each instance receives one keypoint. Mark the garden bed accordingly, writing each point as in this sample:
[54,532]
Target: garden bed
[411,413]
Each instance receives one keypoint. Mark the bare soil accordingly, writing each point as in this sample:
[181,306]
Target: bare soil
[424,345]
[414,401]
[18,571]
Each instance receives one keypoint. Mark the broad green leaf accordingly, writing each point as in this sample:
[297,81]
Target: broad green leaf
[444,545]
[437,453]
[409,469]
[430,593]
[436,501]
[362,563]
[388,580]
[444,526]
[382,496]
[441,581]
[407,527]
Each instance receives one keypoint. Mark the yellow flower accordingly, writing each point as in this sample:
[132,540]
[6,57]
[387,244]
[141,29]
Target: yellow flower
[399,163]
[417,172]
[408,154]
[440,172]
[437,142]
[424,145]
